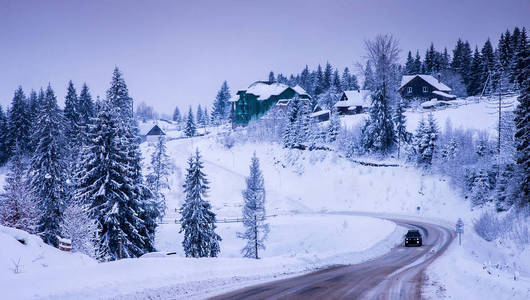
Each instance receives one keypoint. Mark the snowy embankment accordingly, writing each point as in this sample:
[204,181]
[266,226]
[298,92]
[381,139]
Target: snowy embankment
[480,270]
[22,253]
[296,244]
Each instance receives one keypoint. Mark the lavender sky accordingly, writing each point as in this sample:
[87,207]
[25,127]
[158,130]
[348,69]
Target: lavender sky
[179,52]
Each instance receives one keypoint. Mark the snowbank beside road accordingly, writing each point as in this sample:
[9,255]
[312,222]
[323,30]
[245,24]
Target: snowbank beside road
[23,253]
[479,270]
[296,244]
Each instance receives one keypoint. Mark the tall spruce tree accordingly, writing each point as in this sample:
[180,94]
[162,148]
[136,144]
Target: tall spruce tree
[19,118]
[200,117]
[475,81]
[254,216]
[409,65]
[105,185]
[85,106]
[221,105]
[157,179]
[198,219]
[522,129]
[48,168]
[4,138]
[399,118]
[177,117]
[190,129]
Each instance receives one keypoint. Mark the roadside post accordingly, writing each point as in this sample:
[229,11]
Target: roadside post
[460,230]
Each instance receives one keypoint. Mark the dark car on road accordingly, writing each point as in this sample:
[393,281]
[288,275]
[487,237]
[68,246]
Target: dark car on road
[413,238]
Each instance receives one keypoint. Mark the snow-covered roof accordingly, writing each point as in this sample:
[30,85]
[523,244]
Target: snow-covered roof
[319,113]
[300,91]
[430,79]
[234,98]
[355,98]
[144,128]
[440,93]
[264,90]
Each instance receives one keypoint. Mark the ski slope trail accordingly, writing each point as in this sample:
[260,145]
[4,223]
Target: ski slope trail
[395,275]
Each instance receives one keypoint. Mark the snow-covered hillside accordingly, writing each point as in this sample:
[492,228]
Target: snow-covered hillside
[484,117]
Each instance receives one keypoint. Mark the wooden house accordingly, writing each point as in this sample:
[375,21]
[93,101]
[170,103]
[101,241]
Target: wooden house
[260,97]
[150,132]
[424,88]
[353,102]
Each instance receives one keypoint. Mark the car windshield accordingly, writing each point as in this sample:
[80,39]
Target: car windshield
[413,234]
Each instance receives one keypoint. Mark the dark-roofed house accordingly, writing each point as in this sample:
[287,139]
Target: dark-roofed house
[424,87]
[260,97]
[353,102]
[150,132]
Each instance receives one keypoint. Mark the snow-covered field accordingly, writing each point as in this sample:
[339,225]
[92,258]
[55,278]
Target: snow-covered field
[469,114]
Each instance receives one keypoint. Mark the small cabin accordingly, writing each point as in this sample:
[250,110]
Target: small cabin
[150,132]
[353,102]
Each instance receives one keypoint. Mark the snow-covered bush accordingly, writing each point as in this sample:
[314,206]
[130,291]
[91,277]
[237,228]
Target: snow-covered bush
[77,226]
[227,140]
[487,226]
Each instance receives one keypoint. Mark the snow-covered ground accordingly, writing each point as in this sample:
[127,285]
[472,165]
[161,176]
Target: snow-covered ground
[302,187]
[298,243]
[468,114]
[22,253]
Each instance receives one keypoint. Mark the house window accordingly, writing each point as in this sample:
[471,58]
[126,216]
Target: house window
[409,90]
[425,89]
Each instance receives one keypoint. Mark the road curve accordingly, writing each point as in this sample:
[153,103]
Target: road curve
[395,275]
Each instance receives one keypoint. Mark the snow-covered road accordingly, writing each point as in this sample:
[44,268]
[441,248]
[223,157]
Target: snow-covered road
[395,275]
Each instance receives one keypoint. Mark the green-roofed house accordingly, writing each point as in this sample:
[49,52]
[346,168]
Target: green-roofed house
[260,97]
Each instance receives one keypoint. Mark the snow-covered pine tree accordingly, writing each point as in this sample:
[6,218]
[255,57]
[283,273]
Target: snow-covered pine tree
[85,106]
[197,218]
[17,207]
[293,135]
[105,185]
[141,197]
[254,217]
[475,85]
[190,129]
[481,189]
[177,117]
[402,135]
[522,130]
[200,117]
[425,141]
[379,128]
[118,95]
[409,65]
[4,138]
[19,127]
[329,97]
[271,77]
[72,118]
[48,168]
[77,226]
[334,127]
[33,108]
[157,179]
[221,105]
[205,117]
